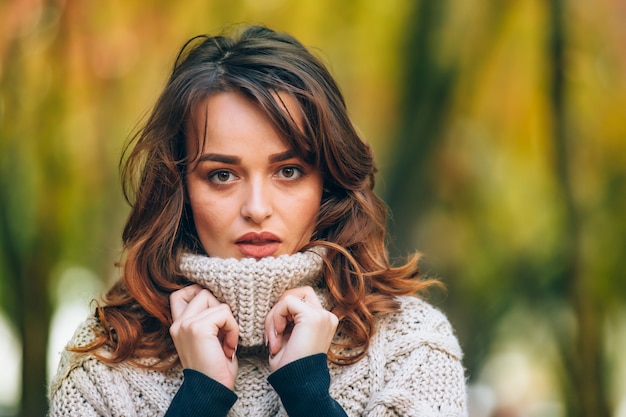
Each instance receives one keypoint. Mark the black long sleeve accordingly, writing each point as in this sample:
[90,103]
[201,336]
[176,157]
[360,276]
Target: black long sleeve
[201,396]
[303,388]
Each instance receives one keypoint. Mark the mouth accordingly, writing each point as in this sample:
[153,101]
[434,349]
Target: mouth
[258,245]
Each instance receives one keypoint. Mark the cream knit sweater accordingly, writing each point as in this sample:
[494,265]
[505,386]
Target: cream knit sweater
[412,368]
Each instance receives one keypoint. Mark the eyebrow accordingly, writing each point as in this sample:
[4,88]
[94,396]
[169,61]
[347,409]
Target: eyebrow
[235,160]
[216,157]
[283,156]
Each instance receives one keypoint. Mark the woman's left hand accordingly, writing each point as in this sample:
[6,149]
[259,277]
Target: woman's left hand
[298,326]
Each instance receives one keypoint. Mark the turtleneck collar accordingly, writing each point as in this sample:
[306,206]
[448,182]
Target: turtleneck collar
[251,287]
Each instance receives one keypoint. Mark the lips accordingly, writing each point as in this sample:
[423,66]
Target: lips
[258,245]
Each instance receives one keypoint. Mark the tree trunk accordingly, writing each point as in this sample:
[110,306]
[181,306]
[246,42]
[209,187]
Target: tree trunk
[423,107]
[584,392]
[34,322]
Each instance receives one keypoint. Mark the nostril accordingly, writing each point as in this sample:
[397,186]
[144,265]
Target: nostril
[257,205]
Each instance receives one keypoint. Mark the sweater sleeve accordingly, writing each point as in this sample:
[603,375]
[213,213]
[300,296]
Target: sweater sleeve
[87,387]
[67,401]
[421,360]
[303,388]
[201,396]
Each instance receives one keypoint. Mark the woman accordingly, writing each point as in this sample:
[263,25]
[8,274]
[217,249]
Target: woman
[256,280]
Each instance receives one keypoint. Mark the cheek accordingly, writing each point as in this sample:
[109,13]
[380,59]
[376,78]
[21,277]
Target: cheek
[208,215]
[306,214]
[207,212]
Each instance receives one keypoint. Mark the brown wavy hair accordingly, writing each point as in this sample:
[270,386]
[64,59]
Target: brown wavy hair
[257,62]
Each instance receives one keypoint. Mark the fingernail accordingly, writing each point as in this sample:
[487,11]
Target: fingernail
[232,358]
[265,341]
[275,333]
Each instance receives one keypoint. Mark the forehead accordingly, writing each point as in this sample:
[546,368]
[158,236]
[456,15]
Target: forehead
[228,118]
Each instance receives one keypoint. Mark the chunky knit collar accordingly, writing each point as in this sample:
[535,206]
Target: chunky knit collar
[251,287]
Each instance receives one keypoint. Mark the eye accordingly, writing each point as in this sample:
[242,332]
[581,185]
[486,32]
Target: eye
[290,172]
[222,177]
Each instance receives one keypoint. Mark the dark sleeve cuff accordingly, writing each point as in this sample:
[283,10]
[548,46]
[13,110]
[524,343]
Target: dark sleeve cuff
[303,388]
[201,395]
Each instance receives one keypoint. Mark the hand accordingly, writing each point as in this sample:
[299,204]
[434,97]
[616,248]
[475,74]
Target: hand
[298,326]
[205,334]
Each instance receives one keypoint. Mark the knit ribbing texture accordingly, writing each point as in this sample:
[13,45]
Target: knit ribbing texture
[251,287]
[412,368]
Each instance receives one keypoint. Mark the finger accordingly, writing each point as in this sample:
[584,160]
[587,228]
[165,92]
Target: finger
[207,342]
[223,319]
[223,326]
[179,299]
[306,294]
[287,308]
[216,324]
[312,333]
[273,341]
[230,333]
[280,316]
[203,300]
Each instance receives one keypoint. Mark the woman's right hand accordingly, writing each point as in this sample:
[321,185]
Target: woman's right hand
[205,334]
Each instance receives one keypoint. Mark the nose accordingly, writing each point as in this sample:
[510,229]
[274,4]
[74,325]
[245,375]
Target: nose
[257,205]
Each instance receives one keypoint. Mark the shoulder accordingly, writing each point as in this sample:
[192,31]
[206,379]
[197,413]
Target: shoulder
[419,323]
[85,333]
[413,366]
[85,383]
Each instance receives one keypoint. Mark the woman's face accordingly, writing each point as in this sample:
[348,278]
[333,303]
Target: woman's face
[249,194]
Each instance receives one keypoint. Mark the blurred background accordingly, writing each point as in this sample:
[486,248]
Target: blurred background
[500,135]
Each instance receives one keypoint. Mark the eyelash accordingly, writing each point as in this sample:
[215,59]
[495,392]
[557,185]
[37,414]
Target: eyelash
[298,172]
[213,176]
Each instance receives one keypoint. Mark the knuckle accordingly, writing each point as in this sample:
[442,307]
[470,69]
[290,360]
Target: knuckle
[222,308]
[326,318]
[292,298]
[334,320]
[204,293]
[189,326]
[175,295]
